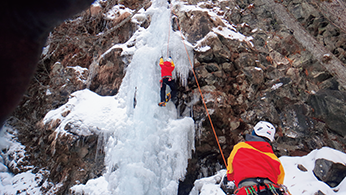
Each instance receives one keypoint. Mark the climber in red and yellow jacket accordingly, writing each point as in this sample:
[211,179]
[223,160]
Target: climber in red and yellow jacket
[252,164]
[166,79]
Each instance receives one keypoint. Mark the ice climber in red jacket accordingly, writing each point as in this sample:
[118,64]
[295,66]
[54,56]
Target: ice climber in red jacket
[253,166]
[166,79]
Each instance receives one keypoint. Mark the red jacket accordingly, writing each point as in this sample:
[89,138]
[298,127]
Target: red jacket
[166,67]
[254,158]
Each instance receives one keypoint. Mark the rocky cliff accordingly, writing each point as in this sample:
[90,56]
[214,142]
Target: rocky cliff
[290,70]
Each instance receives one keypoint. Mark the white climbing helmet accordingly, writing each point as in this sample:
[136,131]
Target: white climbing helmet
[265,129]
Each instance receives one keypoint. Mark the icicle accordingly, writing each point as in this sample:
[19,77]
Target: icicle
[100,144]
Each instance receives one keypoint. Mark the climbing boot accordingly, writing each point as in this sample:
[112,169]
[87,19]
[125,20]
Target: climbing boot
[162,104]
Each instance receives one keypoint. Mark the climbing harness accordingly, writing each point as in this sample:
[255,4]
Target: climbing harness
[169,78]
[263,189]
[261,186]
[199,88]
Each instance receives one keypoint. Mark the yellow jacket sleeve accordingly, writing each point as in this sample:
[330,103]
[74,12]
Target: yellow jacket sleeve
[230,161]
[282,175]
[161,62]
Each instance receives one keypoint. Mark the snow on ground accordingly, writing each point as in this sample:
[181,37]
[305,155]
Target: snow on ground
[300,182]
[13,153]
[117,10]
[297,181]
[82,119]
[209,185]
[228,32]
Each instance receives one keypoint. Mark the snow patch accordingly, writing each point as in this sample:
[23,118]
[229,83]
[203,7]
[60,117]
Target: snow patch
[209,185]
[45,50]
[276,86]
[258,68]
[79,71]
[48,92]
[85,113]
[116,11]
[230,34]
[203,48]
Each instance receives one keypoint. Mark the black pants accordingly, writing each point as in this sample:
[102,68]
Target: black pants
[171,84]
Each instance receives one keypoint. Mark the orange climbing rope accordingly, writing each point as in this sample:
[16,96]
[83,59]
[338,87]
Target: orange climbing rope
[200,91]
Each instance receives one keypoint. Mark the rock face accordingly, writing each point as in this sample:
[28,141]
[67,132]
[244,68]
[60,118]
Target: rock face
[71,159]
[71,61]
[268,73]
[276,79]
[328,106]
